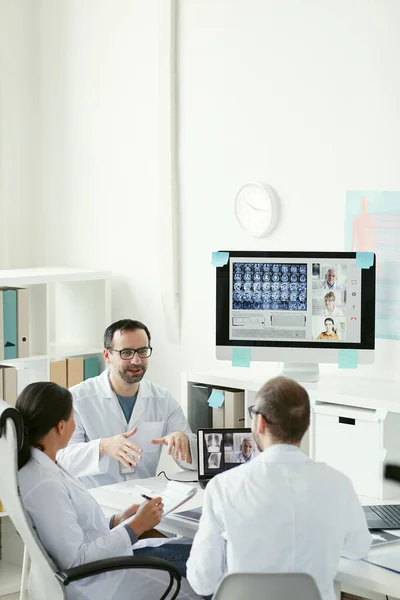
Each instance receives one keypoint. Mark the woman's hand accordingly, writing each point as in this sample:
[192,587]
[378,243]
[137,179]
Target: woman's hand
[147,516]
[129,512]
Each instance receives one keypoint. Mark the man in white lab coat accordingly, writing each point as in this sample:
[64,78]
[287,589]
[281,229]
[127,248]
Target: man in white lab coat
[122,420]
[280,512]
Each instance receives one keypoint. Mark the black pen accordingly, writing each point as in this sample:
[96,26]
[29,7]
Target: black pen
[147,497]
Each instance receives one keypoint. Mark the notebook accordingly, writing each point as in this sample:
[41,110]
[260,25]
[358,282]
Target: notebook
[175,494]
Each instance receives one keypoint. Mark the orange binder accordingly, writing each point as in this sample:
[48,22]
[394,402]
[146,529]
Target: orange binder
[58,372]
[74,371]
[9,384]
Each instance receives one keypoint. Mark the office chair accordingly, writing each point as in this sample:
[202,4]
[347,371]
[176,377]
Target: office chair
[56,580]
[268,586]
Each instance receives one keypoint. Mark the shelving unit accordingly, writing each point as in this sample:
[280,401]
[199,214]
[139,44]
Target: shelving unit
[10,578]
[68,312]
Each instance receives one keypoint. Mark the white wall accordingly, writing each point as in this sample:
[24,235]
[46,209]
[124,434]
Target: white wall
[100,151]
[302,94]
[19,130]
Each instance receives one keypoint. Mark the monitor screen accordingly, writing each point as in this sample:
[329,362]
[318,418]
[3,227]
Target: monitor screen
[223,449]
[291,300]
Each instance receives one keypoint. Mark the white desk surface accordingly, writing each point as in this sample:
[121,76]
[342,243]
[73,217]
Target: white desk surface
[352,575]
[341,386]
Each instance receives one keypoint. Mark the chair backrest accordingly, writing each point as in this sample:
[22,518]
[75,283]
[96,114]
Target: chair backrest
[11,436]
[267,586]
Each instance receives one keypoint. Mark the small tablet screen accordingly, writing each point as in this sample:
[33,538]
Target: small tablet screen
[223,449]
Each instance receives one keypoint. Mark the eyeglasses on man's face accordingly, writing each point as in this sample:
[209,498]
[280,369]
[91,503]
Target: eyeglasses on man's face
[129,353]
[253,411]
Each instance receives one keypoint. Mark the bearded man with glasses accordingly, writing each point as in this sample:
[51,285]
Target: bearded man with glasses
[123,420]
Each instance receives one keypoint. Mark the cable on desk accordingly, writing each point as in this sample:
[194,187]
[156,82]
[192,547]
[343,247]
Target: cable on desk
[178,480]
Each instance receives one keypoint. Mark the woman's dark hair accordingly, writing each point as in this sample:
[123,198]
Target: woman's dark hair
[333,323]
[42,405]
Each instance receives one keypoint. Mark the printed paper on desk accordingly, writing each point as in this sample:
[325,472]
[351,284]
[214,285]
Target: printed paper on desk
[173,497]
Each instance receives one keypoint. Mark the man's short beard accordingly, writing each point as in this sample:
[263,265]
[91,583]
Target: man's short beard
[131,378]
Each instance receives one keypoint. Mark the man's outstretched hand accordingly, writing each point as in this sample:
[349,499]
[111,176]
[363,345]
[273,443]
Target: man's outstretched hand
[178,445]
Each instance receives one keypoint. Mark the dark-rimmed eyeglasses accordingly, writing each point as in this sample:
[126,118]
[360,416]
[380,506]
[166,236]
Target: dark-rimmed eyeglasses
[129,353]
[253,411]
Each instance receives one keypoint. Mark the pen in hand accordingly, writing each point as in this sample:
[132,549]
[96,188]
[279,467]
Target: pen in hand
[147,497]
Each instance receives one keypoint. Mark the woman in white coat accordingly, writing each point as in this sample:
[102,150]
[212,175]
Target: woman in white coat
[68,521]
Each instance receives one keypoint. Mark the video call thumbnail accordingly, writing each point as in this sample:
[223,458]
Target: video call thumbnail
[225,450]
[329,295]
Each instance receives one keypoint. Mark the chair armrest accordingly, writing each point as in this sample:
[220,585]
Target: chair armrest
[116,563]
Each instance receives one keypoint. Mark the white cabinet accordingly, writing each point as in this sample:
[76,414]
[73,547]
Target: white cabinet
[69,310]
[357,441]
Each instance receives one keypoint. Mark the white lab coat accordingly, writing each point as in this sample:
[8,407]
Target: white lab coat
[280,512]
[74,531]
[98,414]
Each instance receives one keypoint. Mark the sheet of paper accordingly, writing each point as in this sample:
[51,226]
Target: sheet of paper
[175,495]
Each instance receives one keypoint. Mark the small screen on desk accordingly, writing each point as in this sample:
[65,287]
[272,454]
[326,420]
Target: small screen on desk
[223,449]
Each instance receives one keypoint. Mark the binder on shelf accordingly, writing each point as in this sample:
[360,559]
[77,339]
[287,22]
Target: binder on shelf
[10,323]
[90,367]
[234,409]
[23,379]
[9,384]
[58,372]
[74,371]
[199,412]
[1,329]
[23,322]
[218,417]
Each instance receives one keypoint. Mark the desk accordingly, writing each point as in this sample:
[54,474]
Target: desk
[356,577]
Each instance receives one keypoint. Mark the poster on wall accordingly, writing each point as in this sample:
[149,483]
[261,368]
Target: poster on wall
[372,224]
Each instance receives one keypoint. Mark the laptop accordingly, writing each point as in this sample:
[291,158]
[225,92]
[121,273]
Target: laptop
[383,516]
[219,450]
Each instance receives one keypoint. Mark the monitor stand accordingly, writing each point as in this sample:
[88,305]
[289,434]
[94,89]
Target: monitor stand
[301,371]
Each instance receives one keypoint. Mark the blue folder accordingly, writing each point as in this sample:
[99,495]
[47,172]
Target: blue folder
[10,323]
[90,367]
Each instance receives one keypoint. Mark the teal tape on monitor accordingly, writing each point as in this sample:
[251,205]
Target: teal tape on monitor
[216,399]
[364,260]
[348,359]
[241,357]
[219,259]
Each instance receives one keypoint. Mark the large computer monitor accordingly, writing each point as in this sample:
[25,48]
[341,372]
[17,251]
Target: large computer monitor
[299,308]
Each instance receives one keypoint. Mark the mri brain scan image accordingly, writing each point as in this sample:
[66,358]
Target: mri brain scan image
[266,286]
